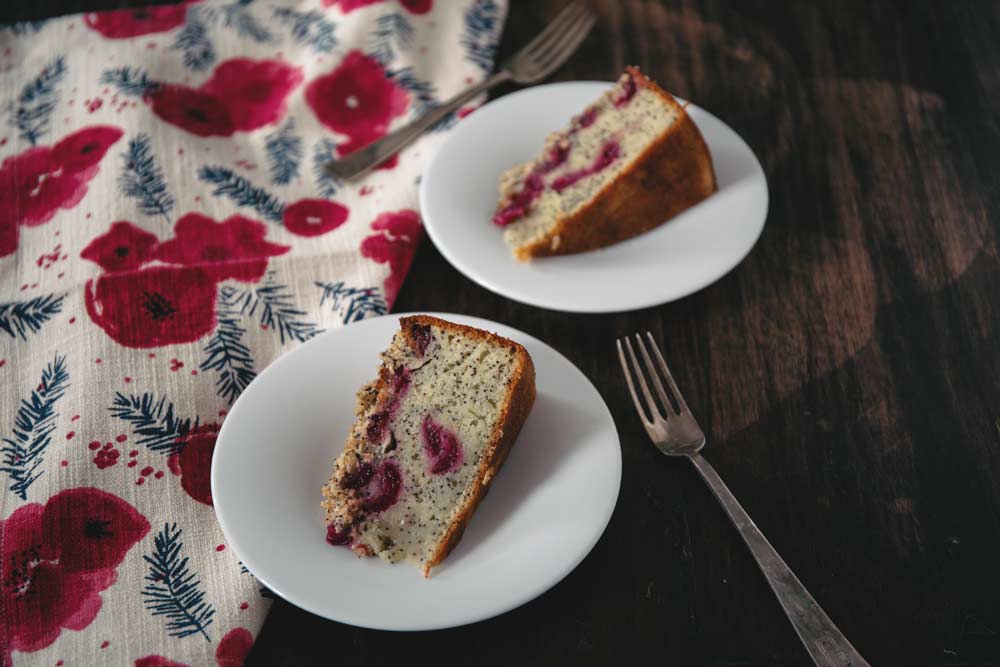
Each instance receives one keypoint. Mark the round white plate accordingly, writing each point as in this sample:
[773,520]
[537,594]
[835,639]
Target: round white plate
[458,194]
[545,510]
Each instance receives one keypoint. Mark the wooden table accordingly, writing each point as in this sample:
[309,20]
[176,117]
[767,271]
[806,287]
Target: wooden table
[848,371]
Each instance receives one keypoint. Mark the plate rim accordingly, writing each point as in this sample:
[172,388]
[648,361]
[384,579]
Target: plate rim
[465,268]
[517,601]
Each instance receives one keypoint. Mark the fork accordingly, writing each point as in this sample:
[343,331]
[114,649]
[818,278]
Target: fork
[675,432]
[539,58]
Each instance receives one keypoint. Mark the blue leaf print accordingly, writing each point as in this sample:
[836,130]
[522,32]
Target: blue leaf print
[326,183]
[154,421]
[391,32]
[284,152]
[352,303]
[24,28]
[193,41]
[274,304]
[18,318]
[227,352]
[481,34]
[142,178]
[242,192]
[130,81]
[34,423]
[31,115]
[173,591]
[237,16]
[309,28]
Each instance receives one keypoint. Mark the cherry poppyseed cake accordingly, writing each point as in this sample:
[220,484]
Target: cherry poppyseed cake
[626,164]
[430,433]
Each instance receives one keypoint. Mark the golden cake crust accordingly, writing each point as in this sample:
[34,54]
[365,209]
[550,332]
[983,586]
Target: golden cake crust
[674,173]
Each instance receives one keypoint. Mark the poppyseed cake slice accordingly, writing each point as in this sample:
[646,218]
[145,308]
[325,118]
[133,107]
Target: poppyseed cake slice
[430,433]
[626,164]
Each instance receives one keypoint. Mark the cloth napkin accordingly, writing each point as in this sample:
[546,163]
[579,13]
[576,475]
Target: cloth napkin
[166,231]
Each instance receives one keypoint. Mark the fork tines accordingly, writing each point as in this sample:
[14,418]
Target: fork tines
[668,408]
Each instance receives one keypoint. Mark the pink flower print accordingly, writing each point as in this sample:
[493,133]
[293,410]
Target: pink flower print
[314,217]
[395,243]
[234,648]
[124,247]
[9,233]
[157,661]
[413,6]
[233,248]
[357,100]
[155,306]
[253,90]
[200,113]
[125,23]
[92,529]
[42,180]
[57,558]
[194,462]
[417,6]
[84,149]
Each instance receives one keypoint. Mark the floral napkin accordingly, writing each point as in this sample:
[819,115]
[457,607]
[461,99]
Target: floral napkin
[166,230]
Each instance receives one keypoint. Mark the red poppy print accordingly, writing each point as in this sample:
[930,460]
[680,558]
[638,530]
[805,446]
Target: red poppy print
[313,217]
[194,462]
[234,648]
[81,151]
[124,247]
[241,95]
[233,248]
[157,661]
[413,6]
[155,306]
[253,90]
[42,180]
[394,244]
[200,113]
[356,100]
[125,23]
[58,558]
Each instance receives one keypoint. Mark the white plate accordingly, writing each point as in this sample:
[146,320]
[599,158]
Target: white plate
[545,510]
[458,194]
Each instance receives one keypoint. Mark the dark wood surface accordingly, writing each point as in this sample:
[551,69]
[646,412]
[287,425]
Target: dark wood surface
[847,372]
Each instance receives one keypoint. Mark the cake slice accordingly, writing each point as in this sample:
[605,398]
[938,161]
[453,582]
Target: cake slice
[430,434]
[628,163]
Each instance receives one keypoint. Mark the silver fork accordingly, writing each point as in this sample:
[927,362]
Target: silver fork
[675,432]
[539,58]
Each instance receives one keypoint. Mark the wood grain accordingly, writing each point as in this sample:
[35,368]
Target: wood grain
[848,371]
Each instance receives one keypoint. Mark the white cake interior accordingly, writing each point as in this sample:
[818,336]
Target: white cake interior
[619,127]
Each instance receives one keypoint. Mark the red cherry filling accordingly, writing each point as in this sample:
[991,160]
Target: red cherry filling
[337,537]
[587,118]
[629,89]
[441,446]
[421,338]
[376,426]
[361,476]
[382,491]
[399,384]
[609,153]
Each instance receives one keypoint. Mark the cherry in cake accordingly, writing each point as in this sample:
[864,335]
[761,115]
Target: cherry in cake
[626,164]
[430,433]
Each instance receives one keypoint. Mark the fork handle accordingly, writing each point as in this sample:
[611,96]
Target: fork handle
[362,161]
[827,646]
